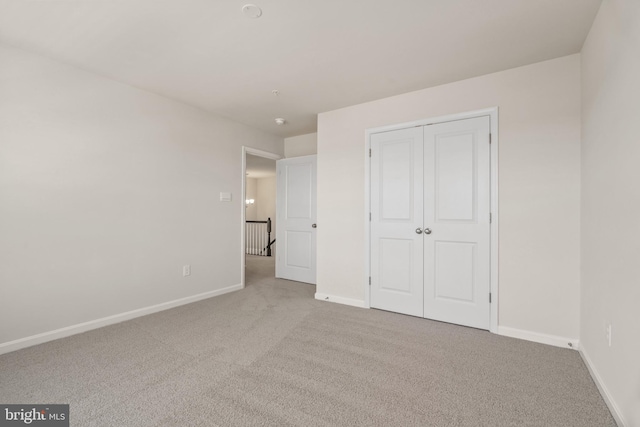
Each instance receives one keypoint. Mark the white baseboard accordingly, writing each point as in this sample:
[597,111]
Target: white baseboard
[613,408]
[553,340]
[18,344]
[341,300]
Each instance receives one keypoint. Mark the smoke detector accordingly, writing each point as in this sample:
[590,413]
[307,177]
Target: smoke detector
[251,11]
[280,121]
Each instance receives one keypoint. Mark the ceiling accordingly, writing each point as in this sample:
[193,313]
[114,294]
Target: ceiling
[260,167]
[319,54]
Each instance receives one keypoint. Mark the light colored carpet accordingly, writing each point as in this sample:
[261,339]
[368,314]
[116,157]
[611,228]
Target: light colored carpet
[271,355]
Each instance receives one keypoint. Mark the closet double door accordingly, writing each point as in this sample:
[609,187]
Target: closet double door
[430,221]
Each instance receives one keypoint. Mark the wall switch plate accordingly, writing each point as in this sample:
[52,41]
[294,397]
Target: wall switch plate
[186,270]
[225,197]
[608,333]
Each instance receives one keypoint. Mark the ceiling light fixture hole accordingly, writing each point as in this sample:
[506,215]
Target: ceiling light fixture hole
[251,11]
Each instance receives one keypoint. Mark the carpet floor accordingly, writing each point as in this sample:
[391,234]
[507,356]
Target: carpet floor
[271,355]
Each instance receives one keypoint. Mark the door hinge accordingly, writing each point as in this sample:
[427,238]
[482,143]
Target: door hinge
[489,138]
[369,152]
[489,297]
[369,216]
[369,280]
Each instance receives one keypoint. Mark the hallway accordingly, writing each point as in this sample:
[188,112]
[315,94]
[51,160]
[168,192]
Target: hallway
[259,269]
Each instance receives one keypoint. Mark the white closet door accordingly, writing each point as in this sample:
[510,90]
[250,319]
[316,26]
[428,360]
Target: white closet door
[396,212]
[457,206]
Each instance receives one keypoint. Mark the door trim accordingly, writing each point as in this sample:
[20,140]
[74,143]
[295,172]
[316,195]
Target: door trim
[243,212]
[493,119]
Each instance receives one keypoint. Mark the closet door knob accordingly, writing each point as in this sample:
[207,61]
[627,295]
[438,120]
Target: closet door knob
[427,231]
[418,230]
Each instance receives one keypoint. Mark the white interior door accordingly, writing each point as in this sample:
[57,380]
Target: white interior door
[457,207]
[396,212]
[296,213]
[430,225]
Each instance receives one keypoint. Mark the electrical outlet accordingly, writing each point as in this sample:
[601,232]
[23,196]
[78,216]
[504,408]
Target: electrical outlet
[608,333]
[186,270]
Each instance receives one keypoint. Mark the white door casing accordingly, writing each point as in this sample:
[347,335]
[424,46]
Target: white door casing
[434,178]
[254,152]
[296,214]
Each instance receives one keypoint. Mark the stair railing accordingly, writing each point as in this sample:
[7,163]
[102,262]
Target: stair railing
[258,237]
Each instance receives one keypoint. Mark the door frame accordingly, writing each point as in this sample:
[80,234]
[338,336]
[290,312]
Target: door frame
[492,113]
[243,211]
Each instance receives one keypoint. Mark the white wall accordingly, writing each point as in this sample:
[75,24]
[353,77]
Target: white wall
[302,145]
[266,193]
[267,204]
[107,191]
[263,192]
[539,166]
[611,202]
[251,192]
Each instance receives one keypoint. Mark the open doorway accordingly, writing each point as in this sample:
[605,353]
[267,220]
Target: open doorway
[259,226]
